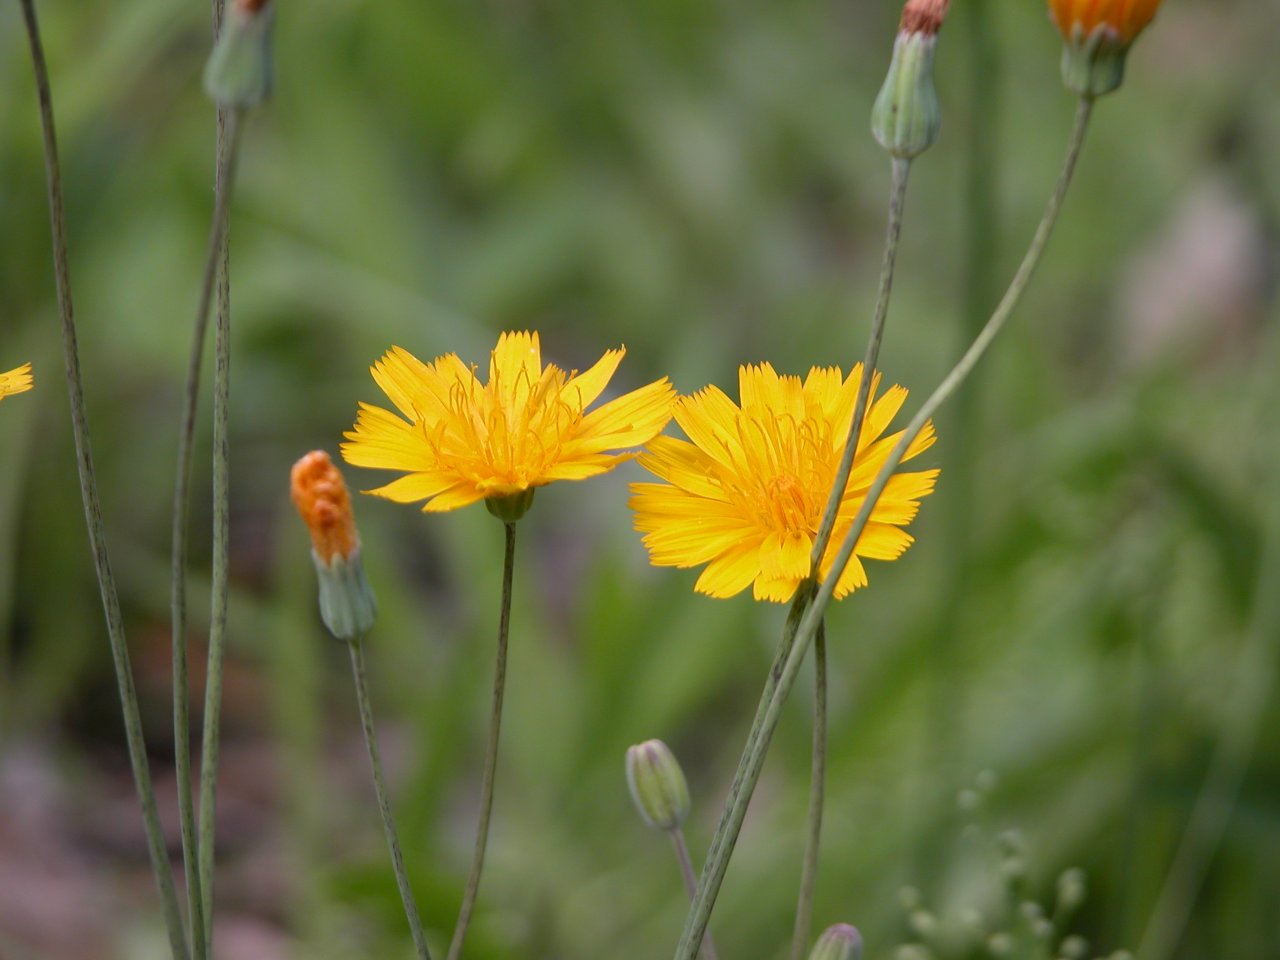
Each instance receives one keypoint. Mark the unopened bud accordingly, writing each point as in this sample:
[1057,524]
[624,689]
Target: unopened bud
[840,942]
[657,785]
[239,71]
[1097,38]
[347,605]
[906,116]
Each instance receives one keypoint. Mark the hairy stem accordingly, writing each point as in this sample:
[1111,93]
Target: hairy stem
[384,801]
[893,229]
[93,506]
[491,750]
[752,760]
[817,787]
[203,847]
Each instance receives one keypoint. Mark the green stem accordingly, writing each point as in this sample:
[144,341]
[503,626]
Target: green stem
[752,761]
[690,883]
[742,786]
[893,229]
[491,750]
[228,154]
[817,787]
[93,506]
[384,802]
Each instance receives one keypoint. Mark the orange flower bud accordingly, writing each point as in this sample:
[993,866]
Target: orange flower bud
[1098,34]
[1124,19]
[320,494]
[347,604]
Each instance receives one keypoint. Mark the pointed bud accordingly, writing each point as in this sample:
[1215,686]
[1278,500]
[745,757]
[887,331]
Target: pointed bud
[841,942]
[906,116]
[1097,39]
[347,605]
[657,785]
[239,70]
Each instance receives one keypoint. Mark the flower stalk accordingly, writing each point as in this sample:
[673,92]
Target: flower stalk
[355,647]
[93,506]
[817,789]
[752,760]
[491,749]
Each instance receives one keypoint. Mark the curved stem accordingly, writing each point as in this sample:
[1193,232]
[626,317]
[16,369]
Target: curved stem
[93,506]
[384,802]
[752,760]
[690,883]
[491,750]
[215,264]
[817,787]
[893,229]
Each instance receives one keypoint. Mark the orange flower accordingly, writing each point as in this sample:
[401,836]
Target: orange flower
[1122,19]
[321,497]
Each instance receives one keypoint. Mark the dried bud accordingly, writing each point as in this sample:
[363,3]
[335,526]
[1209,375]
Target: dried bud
[239,70]
[906,116]
[841,942]
[657,785]
[1098,36]
[347,605]
[18,380]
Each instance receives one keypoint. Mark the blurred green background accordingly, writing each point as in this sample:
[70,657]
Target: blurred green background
[1082,628]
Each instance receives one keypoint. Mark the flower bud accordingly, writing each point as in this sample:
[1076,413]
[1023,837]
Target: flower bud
[239,70]
[841,942]
[1098,37]
[347,605]
[906,116]
[657,785]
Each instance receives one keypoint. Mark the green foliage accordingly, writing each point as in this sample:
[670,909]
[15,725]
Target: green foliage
[695,180]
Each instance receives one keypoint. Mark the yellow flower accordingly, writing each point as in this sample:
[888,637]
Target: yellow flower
[460,440]
[1123,19]
[18,380]
[747,495]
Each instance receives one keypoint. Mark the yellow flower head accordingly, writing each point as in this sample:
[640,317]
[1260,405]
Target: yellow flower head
[18,380]
[460,440]
[1123,19]
[747,495]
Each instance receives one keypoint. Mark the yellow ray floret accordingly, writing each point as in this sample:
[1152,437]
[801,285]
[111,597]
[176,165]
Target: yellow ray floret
[18,380]
[746,496]
[458,440]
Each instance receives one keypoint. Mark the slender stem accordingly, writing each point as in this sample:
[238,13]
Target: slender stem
[491,750]
[740,789]
[690,883]
[752,760]
[93,506]
[893,229]
[384,802]
[817,787]
[214,263]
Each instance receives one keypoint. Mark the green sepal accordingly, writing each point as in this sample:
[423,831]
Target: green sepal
[239,71]
[906,116]
[1093,65]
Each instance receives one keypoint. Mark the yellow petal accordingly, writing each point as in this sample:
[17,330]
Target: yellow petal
[631,420]
[731,573]
[586,387]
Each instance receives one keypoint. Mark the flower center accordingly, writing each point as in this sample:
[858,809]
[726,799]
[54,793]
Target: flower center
[786,504]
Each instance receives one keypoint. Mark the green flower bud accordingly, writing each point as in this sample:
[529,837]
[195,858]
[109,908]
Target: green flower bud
[906,116]
[1093,65]
[347,605]
[841,942]
[657,785]
[239,70]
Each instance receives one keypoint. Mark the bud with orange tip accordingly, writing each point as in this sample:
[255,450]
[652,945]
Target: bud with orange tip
[347,605]
[906,116]
[1098,34]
